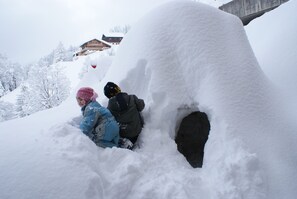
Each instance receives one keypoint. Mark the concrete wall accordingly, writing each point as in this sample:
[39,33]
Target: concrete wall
[247,10]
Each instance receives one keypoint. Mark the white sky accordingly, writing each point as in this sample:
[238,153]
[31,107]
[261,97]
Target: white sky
[31,29]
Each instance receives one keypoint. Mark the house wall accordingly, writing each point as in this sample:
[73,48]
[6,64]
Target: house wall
[94,45]
[91,46]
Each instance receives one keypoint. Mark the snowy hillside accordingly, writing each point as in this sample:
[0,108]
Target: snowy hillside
[205,64]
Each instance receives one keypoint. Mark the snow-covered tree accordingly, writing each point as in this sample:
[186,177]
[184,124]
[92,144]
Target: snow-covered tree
[59,86]
[11,75]
[16,75]
[70,52]
[23,104]
[3,75]
[49,86]
[46,87]
[6,111]
[2,90]
[121,29]
[43,62]
[59,53]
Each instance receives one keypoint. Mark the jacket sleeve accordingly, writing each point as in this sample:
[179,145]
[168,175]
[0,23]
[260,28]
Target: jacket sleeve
[139,103]
[89,121]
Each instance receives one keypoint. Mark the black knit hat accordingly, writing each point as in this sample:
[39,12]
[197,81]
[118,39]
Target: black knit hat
[111,89]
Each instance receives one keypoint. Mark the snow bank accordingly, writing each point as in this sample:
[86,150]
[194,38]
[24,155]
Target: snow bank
[188,57]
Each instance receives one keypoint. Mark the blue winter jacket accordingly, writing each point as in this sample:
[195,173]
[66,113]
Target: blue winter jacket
[99,125]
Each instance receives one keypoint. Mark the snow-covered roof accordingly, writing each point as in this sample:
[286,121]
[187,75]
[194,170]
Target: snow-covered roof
[99,40]
[114,34]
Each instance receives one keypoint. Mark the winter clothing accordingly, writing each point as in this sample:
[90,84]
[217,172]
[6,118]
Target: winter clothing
[126,110]
[98,123]
[111,89]
[125,143]
[87,94]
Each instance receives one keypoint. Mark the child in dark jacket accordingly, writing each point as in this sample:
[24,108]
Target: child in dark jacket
[126,110]
[97,123]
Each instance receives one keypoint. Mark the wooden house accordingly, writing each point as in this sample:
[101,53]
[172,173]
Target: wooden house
[114,39]
[92,46]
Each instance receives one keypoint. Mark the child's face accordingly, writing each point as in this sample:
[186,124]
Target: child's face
[80,102]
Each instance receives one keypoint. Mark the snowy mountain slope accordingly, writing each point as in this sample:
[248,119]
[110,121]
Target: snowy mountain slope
[180,58]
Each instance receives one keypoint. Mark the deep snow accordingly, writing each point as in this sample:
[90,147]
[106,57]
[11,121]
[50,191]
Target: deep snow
[202,61]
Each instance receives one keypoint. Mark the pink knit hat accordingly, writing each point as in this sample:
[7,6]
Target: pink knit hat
[87,94]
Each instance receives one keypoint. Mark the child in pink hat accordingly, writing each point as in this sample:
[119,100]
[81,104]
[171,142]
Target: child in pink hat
[97,123]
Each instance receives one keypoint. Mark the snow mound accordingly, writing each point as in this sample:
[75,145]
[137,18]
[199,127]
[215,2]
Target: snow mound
[185,57]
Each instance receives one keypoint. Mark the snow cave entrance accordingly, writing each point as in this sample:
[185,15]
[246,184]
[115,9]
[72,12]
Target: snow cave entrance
[191,137]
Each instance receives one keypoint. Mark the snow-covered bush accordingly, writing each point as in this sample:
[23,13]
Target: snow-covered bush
[47,87]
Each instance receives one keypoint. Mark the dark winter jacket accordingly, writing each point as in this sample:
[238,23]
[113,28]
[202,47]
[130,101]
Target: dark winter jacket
[99,124]
[126,109]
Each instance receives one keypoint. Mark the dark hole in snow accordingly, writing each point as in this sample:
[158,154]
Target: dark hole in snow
[192,136]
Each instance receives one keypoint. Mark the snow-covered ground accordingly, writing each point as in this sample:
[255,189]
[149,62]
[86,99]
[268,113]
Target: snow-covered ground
[201,60]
